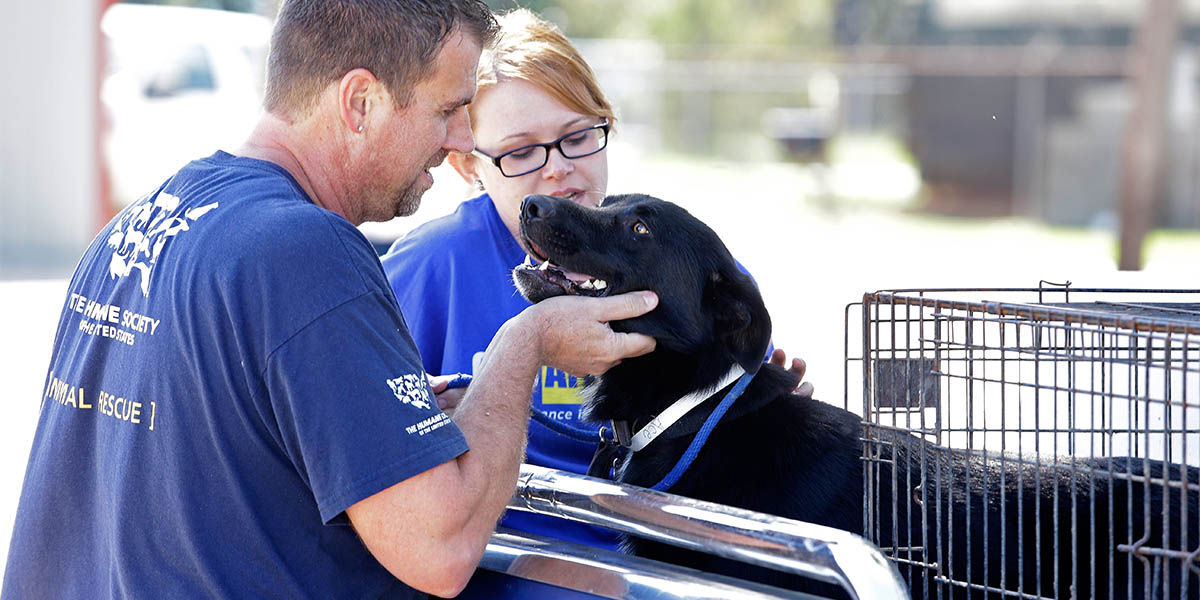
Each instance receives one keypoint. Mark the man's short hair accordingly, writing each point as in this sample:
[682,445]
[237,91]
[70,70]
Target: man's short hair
[316,42]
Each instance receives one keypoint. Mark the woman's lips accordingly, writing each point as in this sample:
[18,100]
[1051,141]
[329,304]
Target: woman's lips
[572,194]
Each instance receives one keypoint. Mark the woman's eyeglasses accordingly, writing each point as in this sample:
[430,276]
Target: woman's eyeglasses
[527,159]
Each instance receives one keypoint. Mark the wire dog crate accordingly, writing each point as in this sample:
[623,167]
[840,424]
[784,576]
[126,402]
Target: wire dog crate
[1031,443]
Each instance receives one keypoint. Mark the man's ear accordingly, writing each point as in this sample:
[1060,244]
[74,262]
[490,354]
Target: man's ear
[465,165]
[740,319]
[356,90]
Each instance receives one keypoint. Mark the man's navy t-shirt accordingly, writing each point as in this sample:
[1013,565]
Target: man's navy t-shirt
[230,373]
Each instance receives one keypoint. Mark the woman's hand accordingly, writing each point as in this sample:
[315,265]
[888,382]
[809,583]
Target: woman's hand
[447,397]
[779,359]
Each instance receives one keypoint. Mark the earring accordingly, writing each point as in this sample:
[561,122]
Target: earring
[360,128]
[479,184]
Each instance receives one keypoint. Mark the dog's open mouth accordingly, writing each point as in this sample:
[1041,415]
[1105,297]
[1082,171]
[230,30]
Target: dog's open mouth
[537,265]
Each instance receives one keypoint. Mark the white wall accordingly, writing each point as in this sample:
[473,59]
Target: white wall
[48,185]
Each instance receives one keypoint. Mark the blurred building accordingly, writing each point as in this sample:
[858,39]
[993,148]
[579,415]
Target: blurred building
[48,143]
[1019,106]
[178,84]
[101,103]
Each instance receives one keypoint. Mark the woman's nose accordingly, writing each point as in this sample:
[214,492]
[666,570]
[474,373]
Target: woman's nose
[557,165]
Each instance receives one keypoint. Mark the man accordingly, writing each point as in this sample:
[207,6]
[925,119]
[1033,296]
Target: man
[234,406]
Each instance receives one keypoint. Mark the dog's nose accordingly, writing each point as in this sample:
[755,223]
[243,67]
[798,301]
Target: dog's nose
[535,207]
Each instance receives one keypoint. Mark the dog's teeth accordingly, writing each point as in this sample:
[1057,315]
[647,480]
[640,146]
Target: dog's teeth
[545,265]
[587,285]
[528,260]
[600,284]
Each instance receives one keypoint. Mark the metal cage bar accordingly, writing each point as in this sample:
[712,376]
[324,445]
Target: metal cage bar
[1054,424]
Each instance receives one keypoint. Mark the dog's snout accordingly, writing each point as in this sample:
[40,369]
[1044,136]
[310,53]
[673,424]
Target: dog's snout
[535,207]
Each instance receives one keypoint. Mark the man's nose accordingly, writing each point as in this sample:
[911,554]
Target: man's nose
[458,134]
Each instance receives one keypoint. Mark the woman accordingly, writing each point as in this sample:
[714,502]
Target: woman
[541,126]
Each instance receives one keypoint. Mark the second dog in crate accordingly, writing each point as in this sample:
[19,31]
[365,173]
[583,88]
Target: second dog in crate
[1037,528]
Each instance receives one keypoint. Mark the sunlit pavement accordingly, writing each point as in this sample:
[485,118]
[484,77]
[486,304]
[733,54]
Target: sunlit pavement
[810,259]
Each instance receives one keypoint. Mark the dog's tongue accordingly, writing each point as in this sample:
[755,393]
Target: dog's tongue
[576,277]
[572,275]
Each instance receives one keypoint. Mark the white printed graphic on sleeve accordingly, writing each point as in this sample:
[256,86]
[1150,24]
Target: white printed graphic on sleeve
[142,231]
[411,389]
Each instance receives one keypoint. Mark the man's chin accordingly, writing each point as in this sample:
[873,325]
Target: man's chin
[409,200]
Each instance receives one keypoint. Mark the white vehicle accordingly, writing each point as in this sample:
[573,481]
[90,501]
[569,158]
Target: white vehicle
[180,84]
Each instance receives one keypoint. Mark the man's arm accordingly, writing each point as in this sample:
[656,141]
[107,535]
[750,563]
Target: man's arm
[446,515]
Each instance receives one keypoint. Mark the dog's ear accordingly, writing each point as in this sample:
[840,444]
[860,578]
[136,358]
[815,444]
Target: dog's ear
[740,318]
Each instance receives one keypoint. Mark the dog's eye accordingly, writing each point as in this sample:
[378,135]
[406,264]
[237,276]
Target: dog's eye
[640,228]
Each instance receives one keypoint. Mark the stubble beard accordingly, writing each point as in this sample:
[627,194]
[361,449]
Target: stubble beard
[389,204]
[382,204]
[408,200]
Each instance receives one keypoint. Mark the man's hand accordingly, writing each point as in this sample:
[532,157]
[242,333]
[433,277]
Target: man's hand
[803,388]
[472,490]
[574,336]
[447,398]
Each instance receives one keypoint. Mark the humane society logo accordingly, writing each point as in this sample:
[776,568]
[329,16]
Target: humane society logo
[141,233]
[137,241]
[411,389]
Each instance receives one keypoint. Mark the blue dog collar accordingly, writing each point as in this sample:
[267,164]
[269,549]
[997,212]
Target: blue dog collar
[678,409]
[693,449]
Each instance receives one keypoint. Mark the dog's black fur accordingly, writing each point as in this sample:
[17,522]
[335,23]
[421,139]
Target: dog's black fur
[782,454]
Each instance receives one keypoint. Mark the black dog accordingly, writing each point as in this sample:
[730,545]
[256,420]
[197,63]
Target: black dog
[1049,530]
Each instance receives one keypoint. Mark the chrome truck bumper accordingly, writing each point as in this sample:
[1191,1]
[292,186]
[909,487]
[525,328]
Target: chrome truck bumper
[814,551]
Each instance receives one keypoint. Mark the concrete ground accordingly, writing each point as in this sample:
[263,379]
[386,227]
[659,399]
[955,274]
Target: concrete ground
[810,259]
